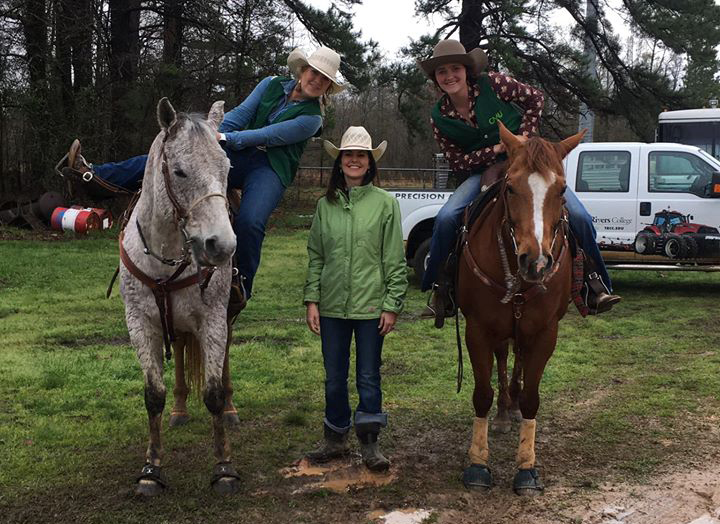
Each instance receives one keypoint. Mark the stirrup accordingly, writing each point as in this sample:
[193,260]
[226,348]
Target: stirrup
[597,296]
[236,305]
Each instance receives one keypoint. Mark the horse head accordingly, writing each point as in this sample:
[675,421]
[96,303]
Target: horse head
[195,171]
[535,185]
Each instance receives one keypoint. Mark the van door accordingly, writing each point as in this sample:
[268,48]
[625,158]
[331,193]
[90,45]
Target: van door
[677,190]
[606,181]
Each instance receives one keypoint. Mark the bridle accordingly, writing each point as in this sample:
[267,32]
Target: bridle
[180,215]
[512,290]
[513,281]
[164,286]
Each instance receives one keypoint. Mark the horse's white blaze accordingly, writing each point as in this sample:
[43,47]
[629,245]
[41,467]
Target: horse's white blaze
[539,186]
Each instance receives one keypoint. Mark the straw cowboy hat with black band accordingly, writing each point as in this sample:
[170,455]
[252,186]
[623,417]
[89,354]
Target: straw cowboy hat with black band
[324,60]
[356,138]
[453,52]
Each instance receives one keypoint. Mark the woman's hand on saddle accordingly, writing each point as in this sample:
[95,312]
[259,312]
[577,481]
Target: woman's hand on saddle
[313,317]
[387,322]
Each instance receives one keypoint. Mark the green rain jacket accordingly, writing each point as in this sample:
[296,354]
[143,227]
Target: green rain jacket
[357,266]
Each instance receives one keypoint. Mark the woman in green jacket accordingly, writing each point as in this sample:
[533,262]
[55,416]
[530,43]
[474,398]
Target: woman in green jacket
[356,283]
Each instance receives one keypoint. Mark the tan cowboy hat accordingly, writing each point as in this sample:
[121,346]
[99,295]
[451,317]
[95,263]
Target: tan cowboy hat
[324,60]
[452,51]
[356,138]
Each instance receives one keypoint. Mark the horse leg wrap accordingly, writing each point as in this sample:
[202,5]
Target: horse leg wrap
[526,450]
[479,451]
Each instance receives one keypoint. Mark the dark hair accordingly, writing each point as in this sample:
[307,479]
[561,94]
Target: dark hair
[337,178]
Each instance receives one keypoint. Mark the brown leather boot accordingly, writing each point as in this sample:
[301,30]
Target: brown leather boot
[238,297]
[75,160]
[599,299]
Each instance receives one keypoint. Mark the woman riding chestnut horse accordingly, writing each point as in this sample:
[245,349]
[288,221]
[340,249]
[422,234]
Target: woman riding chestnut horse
[513,284]
[464,122]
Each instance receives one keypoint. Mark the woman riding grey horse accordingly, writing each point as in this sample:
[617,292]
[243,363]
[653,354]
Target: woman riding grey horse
[264,138]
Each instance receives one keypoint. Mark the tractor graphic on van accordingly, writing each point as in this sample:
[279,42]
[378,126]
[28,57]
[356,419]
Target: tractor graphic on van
[672,234]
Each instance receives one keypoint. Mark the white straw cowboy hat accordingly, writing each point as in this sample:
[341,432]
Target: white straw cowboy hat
[356,138]
[323,60]
[453,52]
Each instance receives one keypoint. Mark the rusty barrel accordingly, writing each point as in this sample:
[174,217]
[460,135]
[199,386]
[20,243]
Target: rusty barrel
[106,218]
[77,220]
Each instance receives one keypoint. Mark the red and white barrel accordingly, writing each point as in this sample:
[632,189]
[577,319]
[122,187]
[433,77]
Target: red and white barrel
[77,220]
[106,218]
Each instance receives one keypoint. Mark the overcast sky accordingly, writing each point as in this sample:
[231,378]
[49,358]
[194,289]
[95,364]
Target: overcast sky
[392,23]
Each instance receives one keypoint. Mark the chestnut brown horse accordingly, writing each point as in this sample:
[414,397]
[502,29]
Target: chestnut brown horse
[514,282]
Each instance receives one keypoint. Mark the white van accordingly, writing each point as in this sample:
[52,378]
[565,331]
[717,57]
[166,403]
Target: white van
[652,204]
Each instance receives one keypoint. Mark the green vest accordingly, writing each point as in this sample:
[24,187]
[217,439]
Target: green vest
[283,159]
[488,110]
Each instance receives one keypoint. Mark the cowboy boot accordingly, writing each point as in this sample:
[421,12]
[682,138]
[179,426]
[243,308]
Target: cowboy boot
[76,161]
[238,296]
[367,434]
[334,445]
[598,297]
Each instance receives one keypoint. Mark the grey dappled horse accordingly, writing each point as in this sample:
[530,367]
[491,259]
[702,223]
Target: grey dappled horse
[182,212]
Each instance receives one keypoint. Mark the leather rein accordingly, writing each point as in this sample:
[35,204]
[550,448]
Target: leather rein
[511,291]
[162,288]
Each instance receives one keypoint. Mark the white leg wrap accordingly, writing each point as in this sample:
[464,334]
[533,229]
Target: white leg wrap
[479,451]
[526,450]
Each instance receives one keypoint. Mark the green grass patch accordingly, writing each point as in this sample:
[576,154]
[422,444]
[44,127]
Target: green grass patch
[625,394]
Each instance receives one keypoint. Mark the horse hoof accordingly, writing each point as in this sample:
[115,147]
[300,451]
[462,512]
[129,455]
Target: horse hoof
[179,419]
[148,488]
[225,480]
[226,486]
[516,415]
[501,425]
[231,419]
[477,476]
[527,483]
[151,481]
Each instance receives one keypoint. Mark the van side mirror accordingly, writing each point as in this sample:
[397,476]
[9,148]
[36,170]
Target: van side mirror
[714,189]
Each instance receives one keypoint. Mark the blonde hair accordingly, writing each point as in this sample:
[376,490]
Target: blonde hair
[324,99]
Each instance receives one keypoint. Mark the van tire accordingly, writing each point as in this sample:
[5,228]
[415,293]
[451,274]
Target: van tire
[420,259]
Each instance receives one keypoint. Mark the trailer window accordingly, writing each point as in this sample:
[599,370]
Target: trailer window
[677,172]
[603,172]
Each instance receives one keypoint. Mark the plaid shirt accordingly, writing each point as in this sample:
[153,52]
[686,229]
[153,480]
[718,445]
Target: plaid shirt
[508,89]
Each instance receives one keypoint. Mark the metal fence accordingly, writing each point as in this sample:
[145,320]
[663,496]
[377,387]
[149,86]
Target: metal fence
[435,177]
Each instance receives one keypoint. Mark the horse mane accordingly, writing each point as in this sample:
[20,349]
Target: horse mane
[539,156]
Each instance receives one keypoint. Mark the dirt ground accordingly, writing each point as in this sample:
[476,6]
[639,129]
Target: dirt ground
[581,487]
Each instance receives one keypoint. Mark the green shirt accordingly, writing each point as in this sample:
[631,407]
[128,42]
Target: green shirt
[357,266]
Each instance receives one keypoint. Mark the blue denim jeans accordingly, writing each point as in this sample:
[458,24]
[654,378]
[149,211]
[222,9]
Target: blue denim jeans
[336,334]
[250,172]
[449,218]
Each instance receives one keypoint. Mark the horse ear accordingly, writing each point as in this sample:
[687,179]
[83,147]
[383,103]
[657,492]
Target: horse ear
[570,143]
[510,141]
[216,114]
[166,114]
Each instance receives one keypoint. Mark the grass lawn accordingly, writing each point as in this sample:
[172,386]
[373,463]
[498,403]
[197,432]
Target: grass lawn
[627,396]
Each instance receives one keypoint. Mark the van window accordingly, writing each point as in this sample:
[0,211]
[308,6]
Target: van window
[603,172]
[678,172]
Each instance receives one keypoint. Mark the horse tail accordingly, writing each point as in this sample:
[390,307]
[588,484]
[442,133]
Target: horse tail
[194,368]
